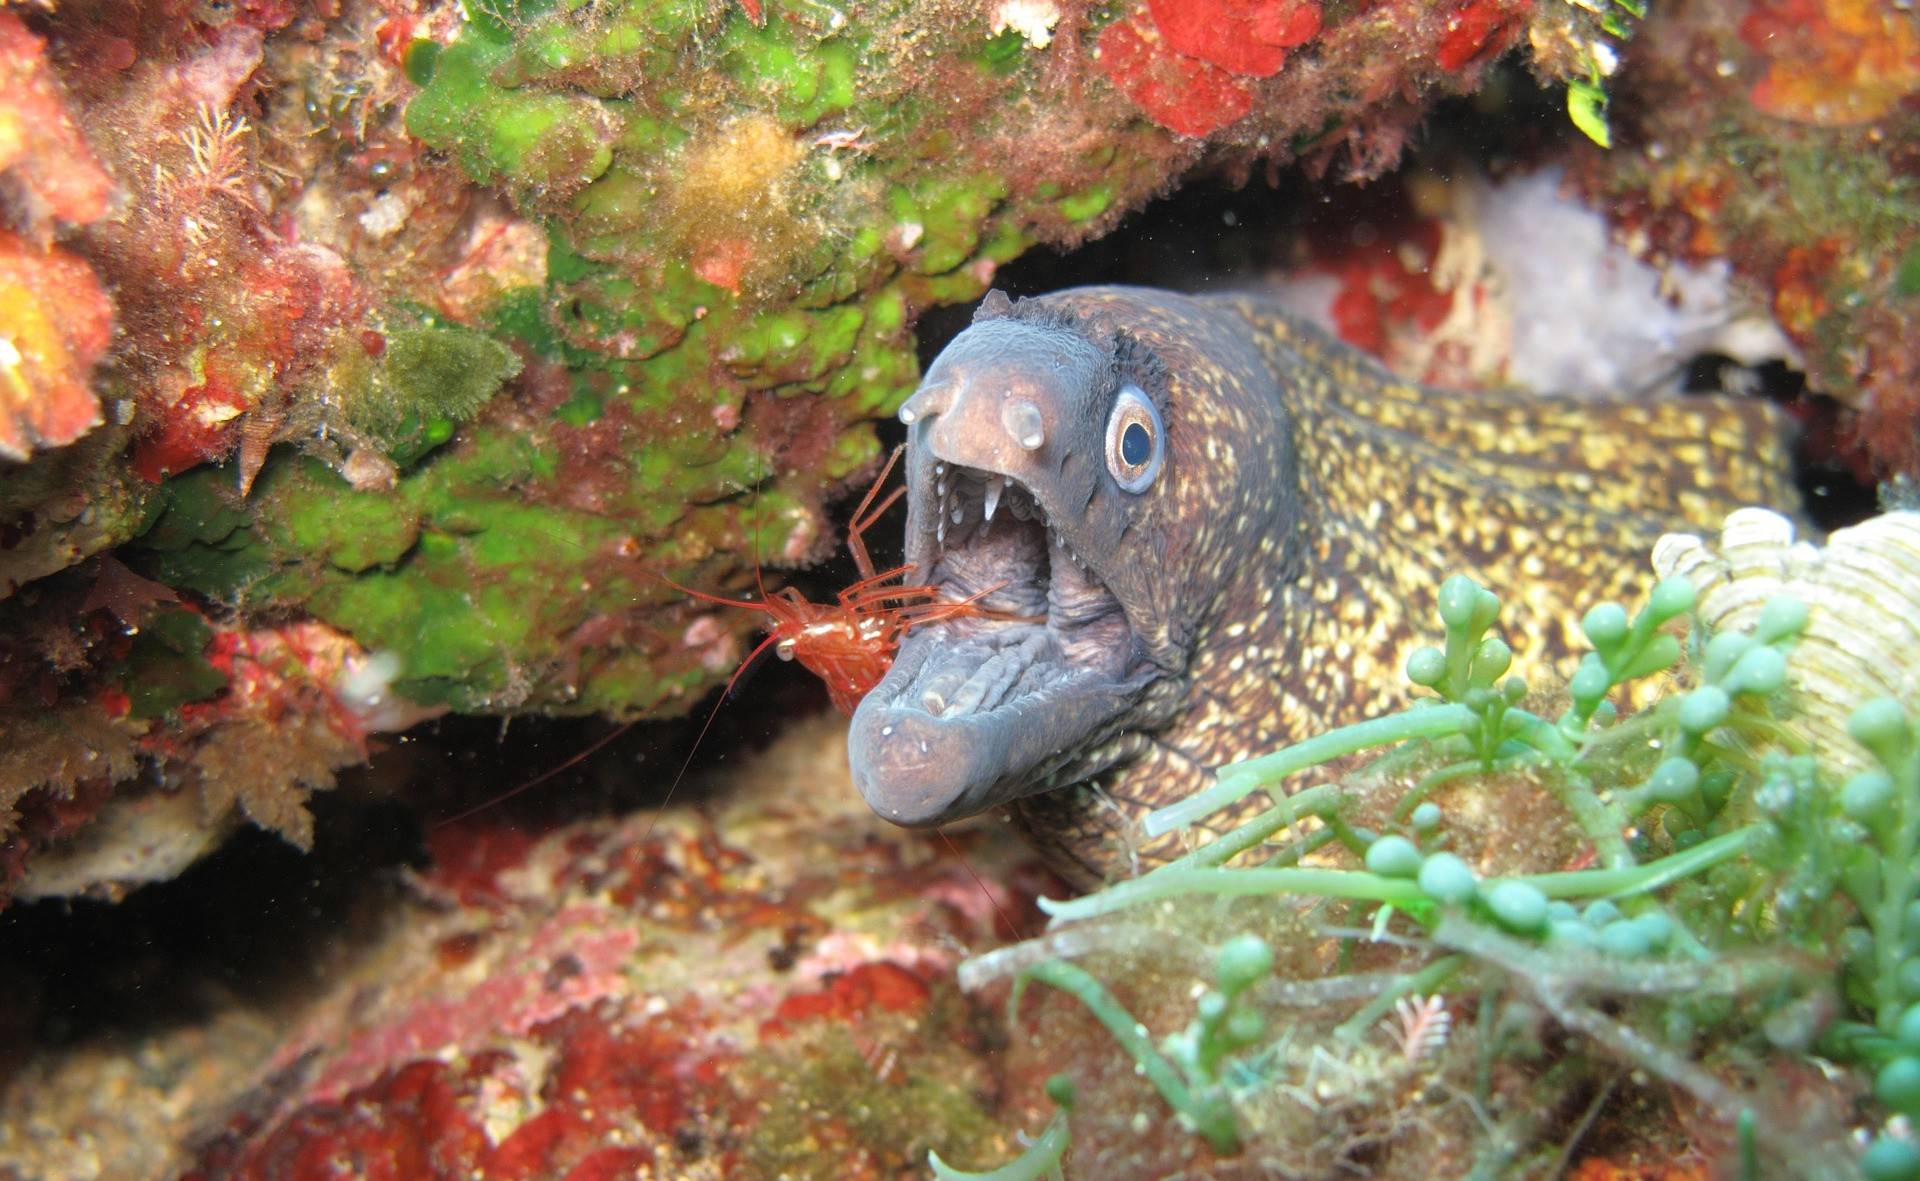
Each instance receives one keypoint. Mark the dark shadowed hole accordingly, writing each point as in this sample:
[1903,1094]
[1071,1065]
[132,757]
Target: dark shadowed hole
[254,921]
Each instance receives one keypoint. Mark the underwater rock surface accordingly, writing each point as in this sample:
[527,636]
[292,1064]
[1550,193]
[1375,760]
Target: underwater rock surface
[1778,135]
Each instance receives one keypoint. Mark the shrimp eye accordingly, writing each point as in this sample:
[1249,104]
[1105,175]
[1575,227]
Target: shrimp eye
[784,649]
[1136,440]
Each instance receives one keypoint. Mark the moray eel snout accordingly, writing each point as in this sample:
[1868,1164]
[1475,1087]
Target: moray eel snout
[1010,490]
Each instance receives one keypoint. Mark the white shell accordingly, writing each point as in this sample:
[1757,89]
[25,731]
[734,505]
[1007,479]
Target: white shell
[1862,591]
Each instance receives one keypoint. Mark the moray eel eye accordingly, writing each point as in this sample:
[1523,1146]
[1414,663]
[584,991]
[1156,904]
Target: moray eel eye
[1136,444]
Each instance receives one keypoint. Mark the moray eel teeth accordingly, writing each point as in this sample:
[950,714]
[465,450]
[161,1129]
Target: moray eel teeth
[977,711]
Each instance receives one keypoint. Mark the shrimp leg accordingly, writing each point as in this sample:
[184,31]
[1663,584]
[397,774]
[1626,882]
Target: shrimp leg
[863,519]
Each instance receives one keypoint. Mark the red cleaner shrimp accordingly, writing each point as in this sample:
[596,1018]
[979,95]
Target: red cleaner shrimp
[849,643]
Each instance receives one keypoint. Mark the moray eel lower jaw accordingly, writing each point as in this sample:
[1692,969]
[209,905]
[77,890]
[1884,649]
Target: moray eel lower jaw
[980,710]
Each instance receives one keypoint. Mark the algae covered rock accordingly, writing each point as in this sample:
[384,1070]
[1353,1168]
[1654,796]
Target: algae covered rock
[1777,139]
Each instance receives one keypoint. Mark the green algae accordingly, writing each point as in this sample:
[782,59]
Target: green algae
[821,1088]
[950,212]
[427,380]
[1088,205]
[167,666]
[805,83]
[353,531]
[446,372]
[531,138]
[477,593]
[1731,862]
[1000,54]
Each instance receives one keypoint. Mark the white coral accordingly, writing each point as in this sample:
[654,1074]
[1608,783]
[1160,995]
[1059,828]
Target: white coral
[1032,19]
[1862,591]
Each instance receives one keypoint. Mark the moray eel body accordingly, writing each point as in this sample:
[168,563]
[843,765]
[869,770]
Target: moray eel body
[1214,530]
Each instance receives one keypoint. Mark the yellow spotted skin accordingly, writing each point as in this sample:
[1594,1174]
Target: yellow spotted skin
[1552,503]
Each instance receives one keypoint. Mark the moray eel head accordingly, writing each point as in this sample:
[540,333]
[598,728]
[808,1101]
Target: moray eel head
[1205,529]
[1039,467]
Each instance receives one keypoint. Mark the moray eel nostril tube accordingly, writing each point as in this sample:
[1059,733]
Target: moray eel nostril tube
[1216,530]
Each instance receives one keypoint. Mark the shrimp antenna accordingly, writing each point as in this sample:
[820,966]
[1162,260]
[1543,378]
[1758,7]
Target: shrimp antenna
[660,808]
[759,583]
[701,737]
[580,756]
[1005,918]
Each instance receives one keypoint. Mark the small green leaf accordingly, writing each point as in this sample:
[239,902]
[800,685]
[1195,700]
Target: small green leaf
[1605,626]
[1673,781]
[1459,601]
[1444,877]
[1670,598]
[1393,857]
[1518,906]
[1898,1085]
[1426,667]
[1587,107]
[1243,962]
[1889,1159]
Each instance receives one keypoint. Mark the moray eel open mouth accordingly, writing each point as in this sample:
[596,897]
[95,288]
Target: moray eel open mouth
[973,703]
[1009,499]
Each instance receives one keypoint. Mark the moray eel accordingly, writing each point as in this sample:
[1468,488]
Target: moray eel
[1215,530]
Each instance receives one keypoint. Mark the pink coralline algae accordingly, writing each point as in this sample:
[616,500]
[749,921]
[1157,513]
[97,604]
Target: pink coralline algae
[1184,62]
[1832,63]
[55,318]
[54,172]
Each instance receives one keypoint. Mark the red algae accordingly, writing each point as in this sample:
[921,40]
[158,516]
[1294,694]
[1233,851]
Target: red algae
[1832,62]
[1248,37]
[202,426]
[1179,93]
[1776,146]
[469,859]
[1179,60]
[41,145]
[1387,287]
[848,996]
[1480,30]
